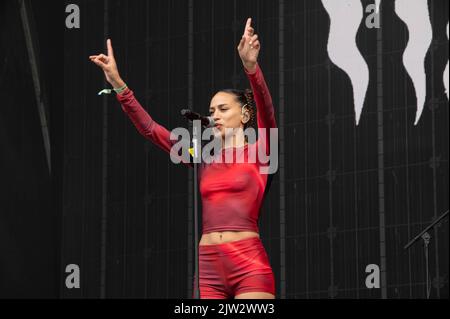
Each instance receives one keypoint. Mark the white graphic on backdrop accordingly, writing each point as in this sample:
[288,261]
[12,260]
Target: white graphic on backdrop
[415,15]
[446,73]
[345,19]
[377,4]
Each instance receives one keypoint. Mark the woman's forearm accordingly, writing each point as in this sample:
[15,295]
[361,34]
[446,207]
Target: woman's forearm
[250,67]
[117,83]
[261,93]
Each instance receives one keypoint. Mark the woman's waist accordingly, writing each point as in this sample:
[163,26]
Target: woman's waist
[222,237]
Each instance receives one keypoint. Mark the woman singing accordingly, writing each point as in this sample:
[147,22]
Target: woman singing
[232,260]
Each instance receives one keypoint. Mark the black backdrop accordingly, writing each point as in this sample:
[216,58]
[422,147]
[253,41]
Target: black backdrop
[345,196]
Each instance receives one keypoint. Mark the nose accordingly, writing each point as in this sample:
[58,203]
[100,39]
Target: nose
[214,116]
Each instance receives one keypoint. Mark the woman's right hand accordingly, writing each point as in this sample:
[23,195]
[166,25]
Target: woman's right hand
[109,66]
[249,47]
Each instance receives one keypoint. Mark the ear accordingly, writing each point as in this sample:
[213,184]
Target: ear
[245,116]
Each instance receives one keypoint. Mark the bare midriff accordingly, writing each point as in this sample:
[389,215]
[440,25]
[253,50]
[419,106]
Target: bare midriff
[216,238]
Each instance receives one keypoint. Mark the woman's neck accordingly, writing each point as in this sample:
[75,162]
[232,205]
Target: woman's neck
[234,141]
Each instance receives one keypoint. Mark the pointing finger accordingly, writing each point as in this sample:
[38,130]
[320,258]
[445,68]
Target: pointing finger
[110,49]
[247,26]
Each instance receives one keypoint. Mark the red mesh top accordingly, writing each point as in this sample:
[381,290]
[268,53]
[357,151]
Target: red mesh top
[232,193]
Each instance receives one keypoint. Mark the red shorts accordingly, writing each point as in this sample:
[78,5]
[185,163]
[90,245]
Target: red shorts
[229,269]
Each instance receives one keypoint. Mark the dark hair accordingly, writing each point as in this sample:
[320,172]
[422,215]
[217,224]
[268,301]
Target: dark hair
[245,98]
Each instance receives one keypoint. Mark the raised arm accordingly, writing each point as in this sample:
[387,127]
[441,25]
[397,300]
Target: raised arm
[266,113]
[143,122]
[248,49]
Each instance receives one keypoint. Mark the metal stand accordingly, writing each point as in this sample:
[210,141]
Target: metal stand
[196,138]
[426,239]
[197,122]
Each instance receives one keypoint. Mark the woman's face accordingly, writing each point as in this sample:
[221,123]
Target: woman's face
[227,112]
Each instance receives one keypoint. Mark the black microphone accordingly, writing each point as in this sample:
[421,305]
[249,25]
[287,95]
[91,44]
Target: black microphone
[207,121]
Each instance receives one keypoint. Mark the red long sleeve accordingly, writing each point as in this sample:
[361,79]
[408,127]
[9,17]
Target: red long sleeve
[264,105]
[145,124]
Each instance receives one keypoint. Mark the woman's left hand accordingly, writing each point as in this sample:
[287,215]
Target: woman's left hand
[249,47]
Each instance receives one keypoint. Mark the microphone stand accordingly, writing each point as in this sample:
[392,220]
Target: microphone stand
[196,133]
[426,239]
[197,122]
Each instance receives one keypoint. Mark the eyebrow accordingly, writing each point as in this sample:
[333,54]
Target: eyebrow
[220,105]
